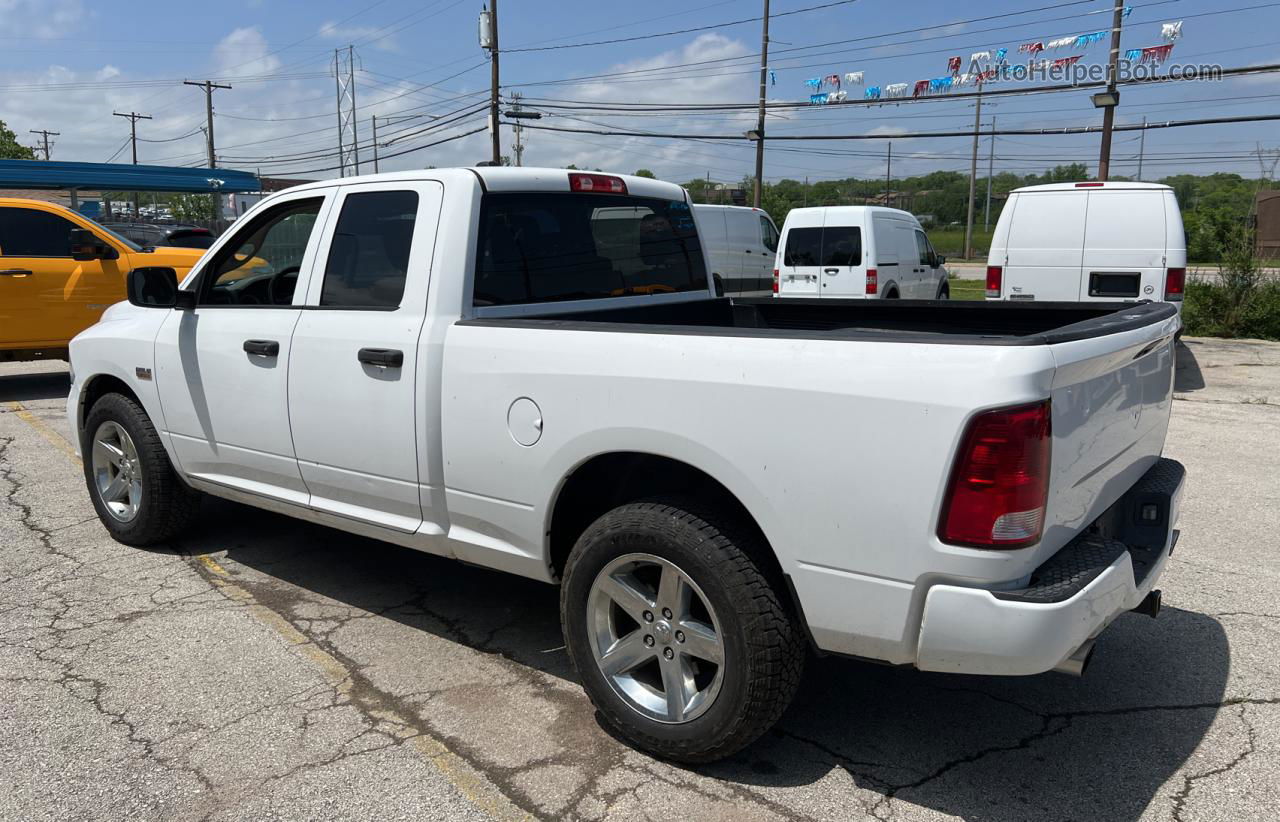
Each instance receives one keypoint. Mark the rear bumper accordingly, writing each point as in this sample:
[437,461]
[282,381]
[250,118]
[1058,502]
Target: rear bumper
[1070,599]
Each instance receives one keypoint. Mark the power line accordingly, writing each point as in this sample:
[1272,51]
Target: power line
[682,31]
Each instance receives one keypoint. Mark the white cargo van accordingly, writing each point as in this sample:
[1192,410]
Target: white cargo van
[1103,242]
[859,252]
[740,244]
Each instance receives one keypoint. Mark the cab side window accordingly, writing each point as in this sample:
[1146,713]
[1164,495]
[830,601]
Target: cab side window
[29,232]
[768,234]
[369,255]
[260,264]
[926,252]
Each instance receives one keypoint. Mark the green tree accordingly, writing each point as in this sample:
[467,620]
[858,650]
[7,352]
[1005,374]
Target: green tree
[644,172]
[10,148]
[192,208]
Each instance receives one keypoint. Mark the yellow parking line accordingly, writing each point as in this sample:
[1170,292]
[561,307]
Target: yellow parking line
[469,782]
[44,429]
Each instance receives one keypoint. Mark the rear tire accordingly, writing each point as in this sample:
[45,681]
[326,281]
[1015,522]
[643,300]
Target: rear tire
[736,613]
[138,496]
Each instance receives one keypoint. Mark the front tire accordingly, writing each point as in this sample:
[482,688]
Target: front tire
[138,496]
[679,639]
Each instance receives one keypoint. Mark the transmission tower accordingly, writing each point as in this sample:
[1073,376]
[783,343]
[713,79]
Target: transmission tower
[344,75]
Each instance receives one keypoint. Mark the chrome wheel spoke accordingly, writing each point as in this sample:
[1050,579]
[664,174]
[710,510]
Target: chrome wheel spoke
[626,654]
[108,452]
[677,685]
[117,488]
[701,641]
[627,595]
[673,593]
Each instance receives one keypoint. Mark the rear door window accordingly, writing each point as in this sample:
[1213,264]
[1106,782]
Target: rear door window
[804,247]
[369,255]
[538,247]
[841,246]
[768,234]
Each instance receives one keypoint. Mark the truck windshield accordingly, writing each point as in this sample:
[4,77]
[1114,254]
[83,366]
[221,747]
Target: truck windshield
[548,246]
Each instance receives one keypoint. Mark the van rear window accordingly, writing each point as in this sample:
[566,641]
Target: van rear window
[830,246]
[549,246]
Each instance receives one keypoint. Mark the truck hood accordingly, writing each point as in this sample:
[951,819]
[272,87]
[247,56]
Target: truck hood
[180,260]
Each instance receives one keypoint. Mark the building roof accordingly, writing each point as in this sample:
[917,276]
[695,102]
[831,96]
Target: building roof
[120,177]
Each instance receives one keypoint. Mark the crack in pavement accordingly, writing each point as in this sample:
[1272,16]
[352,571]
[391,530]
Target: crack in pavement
[1189,780]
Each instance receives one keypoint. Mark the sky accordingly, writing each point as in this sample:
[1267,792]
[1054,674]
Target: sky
[67,65]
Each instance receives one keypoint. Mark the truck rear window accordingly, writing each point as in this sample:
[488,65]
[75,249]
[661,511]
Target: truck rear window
[548,246]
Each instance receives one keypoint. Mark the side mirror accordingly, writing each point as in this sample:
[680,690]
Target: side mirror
[157,287]
[85,245]
[939,261]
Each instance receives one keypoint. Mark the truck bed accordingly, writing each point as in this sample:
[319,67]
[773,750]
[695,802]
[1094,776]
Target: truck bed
[975,323]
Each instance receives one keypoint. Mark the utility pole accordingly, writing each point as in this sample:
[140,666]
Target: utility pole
[46,134]
[1142,148]
[374,120]
[888,175]
[973,176]
[489,40]
[764,76]
[991,168]
[518,149]
[209,87]
[134,117]
[1111,98]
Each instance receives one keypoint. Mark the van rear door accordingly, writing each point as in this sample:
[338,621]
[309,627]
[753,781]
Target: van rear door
[801,270]
[1046,246]
[1124,249]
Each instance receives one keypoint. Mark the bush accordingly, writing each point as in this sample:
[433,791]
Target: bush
[1241,302]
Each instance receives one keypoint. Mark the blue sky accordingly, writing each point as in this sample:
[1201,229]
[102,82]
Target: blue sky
[67,65]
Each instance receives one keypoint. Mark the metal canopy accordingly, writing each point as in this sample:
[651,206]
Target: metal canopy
[119,177]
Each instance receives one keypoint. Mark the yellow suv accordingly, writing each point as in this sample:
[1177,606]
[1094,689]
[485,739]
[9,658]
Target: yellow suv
[59,271]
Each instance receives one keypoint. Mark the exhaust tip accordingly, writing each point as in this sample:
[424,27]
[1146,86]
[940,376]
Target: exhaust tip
[1077,663]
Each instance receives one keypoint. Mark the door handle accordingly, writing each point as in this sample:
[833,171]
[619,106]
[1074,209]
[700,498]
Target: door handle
[382,357]
[262,348]
[15,272]
[831,271]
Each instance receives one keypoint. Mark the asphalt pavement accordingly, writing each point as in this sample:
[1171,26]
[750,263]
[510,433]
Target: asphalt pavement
[264,668]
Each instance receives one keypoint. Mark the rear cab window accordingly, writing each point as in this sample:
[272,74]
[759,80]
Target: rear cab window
[541,247]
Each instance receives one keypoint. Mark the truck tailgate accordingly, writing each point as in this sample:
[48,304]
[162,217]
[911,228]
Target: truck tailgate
[1112,396]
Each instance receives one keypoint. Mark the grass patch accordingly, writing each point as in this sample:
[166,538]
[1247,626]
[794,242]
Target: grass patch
[949,242]
[968,289]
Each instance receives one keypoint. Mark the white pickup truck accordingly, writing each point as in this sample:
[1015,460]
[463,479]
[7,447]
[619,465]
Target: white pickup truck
[473,363]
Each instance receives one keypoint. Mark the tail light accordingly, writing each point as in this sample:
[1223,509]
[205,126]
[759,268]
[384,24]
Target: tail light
[995,280]
[775,281]
[873,281]
[1175,282]
[1000,483]
[597,183]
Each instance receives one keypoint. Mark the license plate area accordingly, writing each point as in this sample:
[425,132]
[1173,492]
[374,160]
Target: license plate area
[1114,284]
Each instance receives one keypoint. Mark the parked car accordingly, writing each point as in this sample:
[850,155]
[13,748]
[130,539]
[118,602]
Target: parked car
[59,270]
[171,236]
[479,364]
[740,243]
[859,252]
[1094,241]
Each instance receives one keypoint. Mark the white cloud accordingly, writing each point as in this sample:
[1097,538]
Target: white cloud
[244,53]
[41,19]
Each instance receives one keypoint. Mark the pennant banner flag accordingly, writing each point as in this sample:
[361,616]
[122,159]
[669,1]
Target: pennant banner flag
[853,78]
[1171,31]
